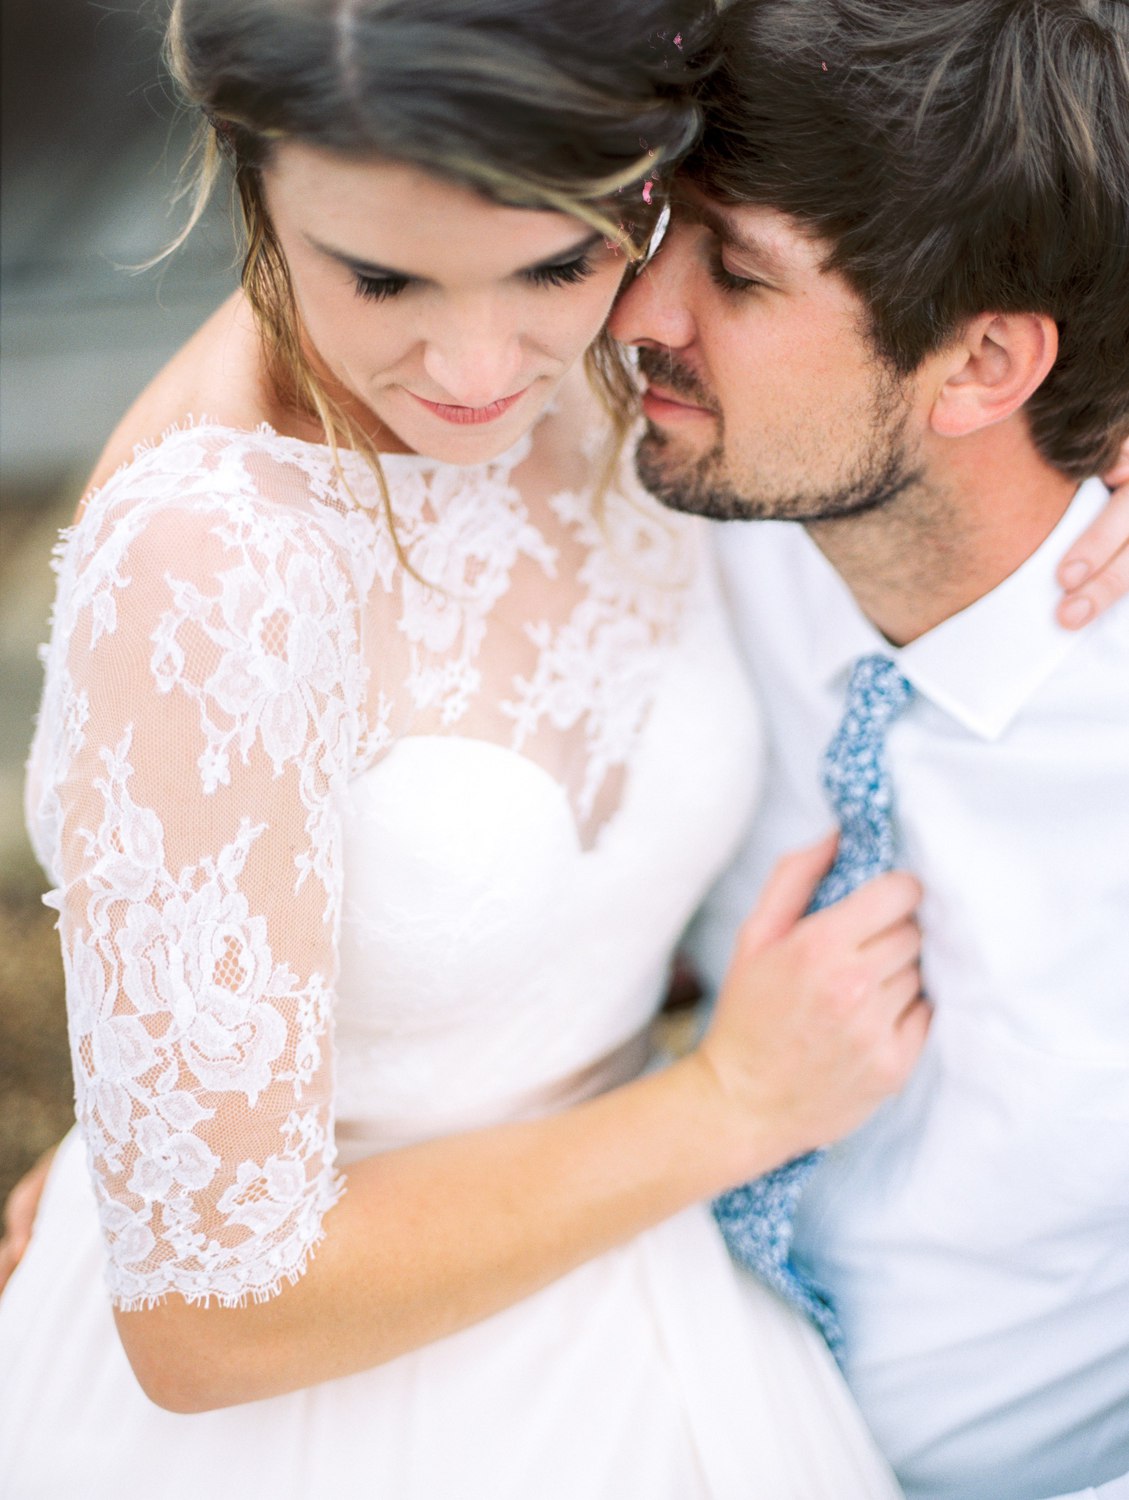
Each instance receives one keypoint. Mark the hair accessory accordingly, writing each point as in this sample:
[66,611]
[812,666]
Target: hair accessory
[224,129]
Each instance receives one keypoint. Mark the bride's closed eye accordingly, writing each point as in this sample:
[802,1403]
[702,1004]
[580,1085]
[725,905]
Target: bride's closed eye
[565,273]
[378,288]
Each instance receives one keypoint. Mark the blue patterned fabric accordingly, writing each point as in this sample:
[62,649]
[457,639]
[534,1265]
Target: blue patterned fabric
[757,1219]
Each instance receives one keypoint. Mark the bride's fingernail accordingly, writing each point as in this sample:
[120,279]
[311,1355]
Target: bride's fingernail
[1076,611]
[1075,573]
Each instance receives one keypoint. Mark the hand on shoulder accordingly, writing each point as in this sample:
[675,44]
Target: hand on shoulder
[1094,574]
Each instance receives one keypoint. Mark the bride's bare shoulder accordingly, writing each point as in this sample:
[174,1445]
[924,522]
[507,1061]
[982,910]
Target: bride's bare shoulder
[216,374]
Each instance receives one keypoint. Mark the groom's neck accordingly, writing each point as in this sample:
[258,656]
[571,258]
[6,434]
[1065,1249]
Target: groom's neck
[982,507]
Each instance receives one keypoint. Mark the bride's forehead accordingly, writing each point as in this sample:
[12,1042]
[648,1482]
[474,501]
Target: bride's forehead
[395,213]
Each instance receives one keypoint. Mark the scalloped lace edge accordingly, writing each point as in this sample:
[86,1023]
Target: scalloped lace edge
[251,1295]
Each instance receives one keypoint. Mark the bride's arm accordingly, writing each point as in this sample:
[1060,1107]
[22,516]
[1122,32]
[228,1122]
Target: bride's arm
[817,1023]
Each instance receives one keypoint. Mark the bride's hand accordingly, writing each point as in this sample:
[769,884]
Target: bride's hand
[19,1215]
[820,1017]
[1095,572]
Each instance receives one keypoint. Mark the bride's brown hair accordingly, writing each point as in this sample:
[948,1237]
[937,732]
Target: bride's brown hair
[567,105]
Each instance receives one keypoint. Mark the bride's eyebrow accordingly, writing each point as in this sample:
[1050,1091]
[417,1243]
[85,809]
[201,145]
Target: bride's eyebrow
[377,272]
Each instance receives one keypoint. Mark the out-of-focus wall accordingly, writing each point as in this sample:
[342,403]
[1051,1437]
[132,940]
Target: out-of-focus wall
[92,141]
[90,147]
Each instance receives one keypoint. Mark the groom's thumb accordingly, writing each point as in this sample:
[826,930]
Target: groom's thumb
[787,894]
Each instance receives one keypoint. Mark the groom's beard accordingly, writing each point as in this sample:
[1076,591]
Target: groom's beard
[881,470]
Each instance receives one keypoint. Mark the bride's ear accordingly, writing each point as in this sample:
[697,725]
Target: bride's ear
[994,366]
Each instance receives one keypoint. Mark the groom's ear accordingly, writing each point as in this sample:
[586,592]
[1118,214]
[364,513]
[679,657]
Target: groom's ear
[994,366]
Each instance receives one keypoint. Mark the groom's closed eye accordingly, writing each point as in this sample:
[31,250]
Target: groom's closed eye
[723,277]
[740,256]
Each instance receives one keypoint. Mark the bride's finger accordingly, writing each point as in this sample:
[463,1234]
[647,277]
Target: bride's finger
[902,990]
[875,908]
[1098,594]
[787,894]
[892,951]
[910,1035]
[22,1206]
[8,1262]
[1119,474]
[1095,572]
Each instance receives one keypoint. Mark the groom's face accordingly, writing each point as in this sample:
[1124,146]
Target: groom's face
[765,395]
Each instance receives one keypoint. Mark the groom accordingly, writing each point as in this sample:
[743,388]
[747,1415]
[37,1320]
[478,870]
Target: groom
[893,306]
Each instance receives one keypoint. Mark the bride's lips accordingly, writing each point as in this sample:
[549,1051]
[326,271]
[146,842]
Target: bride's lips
[471,416]
[661,406]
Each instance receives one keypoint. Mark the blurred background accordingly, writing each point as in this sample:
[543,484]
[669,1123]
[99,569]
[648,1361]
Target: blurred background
[91,143]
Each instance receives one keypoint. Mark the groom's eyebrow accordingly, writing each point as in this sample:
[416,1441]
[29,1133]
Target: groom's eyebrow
[756,250]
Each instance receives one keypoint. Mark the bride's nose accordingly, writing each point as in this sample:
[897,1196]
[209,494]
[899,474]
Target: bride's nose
[472,359]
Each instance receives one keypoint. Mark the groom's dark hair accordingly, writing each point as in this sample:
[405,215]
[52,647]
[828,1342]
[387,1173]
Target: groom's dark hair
[958,157]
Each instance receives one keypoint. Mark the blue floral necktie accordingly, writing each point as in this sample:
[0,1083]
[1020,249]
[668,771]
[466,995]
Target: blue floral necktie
[757,1219]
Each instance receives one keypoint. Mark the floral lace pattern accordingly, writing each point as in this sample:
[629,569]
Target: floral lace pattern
[234,639]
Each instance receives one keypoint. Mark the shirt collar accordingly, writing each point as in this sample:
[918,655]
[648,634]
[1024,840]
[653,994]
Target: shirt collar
[983,664]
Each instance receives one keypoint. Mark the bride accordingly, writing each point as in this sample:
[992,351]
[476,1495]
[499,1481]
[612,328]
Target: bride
[389,737]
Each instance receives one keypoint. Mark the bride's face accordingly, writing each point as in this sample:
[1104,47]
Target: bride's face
[451,318]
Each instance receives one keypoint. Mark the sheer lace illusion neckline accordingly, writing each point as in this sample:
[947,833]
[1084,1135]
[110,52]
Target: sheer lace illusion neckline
[539,626]
[193,425]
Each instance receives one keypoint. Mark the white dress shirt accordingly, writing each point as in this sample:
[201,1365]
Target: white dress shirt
[975,1234]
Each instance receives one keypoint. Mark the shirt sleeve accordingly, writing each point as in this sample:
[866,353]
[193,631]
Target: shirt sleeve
[200,713]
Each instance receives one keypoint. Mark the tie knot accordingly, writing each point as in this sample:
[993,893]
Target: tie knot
[877,693]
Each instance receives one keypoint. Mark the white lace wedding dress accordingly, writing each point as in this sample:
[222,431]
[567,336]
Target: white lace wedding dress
[342,862]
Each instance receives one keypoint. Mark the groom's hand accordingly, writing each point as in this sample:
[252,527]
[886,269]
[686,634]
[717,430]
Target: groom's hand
[820,1018]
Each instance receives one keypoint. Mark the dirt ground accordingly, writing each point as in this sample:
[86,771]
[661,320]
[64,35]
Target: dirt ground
[35,1073]
[36,1092]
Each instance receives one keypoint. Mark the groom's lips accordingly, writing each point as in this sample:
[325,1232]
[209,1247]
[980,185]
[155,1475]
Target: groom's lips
[663,406]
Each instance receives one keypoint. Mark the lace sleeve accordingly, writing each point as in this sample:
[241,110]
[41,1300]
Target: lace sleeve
[200,714]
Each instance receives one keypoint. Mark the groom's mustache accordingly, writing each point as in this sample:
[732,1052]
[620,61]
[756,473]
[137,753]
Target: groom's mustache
[661,368]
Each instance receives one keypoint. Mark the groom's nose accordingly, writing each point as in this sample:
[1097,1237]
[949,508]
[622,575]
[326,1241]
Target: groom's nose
[653,308]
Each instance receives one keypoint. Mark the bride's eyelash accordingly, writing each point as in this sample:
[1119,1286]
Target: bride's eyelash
[568,273]
[380,288]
